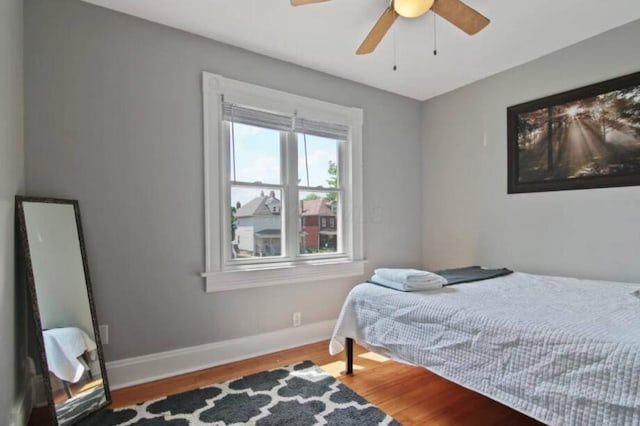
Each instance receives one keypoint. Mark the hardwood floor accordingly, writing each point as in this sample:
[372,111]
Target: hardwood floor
[412,395]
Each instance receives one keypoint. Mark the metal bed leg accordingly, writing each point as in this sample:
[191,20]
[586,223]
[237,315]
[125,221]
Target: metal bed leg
[67,388]
[349,349]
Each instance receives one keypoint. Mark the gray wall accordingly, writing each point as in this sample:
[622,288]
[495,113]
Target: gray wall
[12,302]
[114,119]
[468,216]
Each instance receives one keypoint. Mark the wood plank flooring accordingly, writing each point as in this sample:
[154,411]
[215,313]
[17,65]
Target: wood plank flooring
[412,395]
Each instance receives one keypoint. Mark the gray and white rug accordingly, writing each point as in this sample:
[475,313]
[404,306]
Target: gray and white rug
[299,394]
[67,411]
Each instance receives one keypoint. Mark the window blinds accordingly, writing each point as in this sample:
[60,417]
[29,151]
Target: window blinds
[319,128]
[254,117]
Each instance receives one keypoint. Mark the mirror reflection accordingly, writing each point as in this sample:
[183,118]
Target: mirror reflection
[65,316]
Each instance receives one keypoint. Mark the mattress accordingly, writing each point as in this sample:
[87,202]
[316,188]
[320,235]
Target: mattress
[561,350]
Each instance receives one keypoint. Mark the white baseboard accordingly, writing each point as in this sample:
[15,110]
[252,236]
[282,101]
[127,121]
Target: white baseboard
[147,368]
[21,409]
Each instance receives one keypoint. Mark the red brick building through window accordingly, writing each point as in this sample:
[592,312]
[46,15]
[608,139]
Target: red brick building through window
[319,227]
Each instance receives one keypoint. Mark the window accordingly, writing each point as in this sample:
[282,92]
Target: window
[278,169]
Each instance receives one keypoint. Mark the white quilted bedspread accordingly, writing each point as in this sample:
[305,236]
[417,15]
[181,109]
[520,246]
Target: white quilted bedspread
[562,350]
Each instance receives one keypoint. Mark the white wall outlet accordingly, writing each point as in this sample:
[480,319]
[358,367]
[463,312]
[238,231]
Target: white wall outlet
[297,319]
[104,334]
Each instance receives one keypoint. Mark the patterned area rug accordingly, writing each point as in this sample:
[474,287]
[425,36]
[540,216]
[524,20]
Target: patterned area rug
[72,408]
[299,394]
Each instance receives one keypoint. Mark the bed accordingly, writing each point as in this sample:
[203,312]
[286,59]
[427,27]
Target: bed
[561,350]
[68,349]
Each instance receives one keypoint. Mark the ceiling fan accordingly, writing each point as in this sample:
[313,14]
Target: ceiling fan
[454,11]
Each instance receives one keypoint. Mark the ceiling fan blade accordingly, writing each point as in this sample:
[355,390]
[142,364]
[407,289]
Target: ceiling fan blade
[377,32]
[460,15]
[303,2]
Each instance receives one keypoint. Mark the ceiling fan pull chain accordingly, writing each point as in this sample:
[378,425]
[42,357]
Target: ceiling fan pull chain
[435,50]
[395,51]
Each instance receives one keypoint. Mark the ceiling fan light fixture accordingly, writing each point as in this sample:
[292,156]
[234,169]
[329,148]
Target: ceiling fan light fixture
[412,8]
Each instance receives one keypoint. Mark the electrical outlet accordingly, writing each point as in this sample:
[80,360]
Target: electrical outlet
[104,334]
[297,319]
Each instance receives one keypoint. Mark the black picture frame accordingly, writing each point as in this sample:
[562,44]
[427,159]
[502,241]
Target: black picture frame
[583,138]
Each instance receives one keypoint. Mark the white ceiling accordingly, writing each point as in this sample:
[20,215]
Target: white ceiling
[325,36]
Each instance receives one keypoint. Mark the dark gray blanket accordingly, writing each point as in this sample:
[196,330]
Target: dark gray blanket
[470,274]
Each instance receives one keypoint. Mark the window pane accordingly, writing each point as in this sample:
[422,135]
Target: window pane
[317,161]
[318,222]
[256,227]
[254,154]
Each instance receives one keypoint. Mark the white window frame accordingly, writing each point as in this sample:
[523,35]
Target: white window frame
[220,273]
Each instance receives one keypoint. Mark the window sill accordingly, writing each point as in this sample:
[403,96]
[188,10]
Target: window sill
[285,274]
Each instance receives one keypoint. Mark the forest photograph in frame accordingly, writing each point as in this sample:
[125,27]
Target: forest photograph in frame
[585,138]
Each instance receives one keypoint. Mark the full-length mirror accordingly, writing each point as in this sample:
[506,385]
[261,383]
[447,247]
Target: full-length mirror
[64,314]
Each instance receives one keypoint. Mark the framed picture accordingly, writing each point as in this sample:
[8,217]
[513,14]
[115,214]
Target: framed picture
[584,138]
